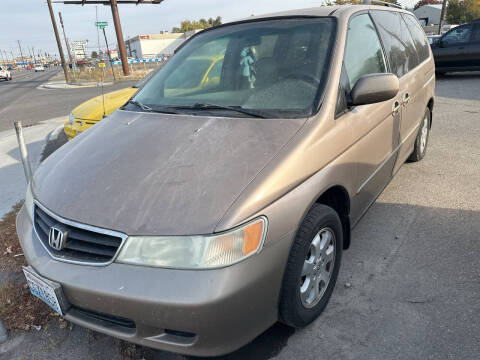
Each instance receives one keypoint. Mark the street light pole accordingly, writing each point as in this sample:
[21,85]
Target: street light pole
[121,43]
[108,54]
[59,44]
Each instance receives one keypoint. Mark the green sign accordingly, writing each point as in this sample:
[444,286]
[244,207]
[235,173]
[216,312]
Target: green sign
[101,24]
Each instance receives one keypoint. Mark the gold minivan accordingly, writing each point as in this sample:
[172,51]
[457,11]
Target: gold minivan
[202,218]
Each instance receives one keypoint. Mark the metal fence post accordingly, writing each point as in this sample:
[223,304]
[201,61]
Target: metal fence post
[3,332]
[23,151]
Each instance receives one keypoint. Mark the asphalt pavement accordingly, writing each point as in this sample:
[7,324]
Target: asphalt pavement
[409,286]
[23,99]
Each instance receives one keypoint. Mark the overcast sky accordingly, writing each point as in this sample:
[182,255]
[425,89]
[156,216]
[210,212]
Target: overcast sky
[29,20]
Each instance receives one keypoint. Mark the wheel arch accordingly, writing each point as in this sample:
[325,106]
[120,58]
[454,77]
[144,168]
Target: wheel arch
[338,199]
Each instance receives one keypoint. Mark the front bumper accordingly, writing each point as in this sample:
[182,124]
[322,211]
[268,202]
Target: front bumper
[78,126]
[203,312]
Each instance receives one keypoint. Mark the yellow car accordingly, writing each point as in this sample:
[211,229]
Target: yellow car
[92,111]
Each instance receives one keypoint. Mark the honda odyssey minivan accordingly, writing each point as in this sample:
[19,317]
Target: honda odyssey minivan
[202,218]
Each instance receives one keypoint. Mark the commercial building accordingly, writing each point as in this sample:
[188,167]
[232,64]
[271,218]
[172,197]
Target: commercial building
[155,45]
[429,14]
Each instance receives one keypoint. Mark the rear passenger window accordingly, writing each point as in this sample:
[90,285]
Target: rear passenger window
[363,51]
[421,43]
[397,41]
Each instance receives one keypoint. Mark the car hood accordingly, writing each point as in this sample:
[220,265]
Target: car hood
[93,109]
[158,174]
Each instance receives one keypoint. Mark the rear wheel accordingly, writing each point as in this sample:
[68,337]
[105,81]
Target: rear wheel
[312,267]
[421,142]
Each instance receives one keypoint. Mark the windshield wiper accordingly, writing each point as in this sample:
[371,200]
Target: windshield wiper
[149,109]
[140,105]
[239,109]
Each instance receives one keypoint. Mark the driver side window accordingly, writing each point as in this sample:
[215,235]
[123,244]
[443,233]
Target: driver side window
[458,35]
[363,51]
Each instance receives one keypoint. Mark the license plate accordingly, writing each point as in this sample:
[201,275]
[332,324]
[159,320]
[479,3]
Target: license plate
[44,289]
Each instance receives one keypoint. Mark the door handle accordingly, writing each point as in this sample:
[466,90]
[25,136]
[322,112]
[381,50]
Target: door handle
[395,107]
[406,99]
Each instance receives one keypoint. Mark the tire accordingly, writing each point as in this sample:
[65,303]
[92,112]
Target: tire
[296,309]
[421,142]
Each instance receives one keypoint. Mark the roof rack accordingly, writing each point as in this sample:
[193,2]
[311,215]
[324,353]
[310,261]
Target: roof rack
[381,3]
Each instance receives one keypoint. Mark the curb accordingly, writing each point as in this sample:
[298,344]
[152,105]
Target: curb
[64,85]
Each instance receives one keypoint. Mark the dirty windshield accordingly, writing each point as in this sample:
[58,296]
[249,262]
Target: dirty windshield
[273,68]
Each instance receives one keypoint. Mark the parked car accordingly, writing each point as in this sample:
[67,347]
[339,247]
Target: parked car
[198,220]
[202,72]
[39,67]
[5,73]
[458,49]
[92,111]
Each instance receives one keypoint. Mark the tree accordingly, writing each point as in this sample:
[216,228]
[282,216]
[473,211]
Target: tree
[188,25]
[459,12]
[94,55]
[426,2]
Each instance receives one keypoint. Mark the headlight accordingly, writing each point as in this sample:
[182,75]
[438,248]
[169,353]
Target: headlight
[71,118]
[29,201]
[196,252]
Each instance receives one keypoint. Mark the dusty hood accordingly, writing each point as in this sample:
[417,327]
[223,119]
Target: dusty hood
[158,174]
[93,109]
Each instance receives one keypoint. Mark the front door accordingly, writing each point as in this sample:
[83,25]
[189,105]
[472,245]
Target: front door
[474,47]
[374,127]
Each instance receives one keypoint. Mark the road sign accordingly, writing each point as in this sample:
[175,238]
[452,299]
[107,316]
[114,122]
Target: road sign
[101,24]
[101,65]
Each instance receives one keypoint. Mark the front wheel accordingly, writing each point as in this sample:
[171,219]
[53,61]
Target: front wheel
[312,267]
[421,142]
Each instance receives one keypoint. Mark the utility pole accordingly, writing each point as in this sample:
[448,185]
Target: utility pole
[30,52]
[34,57]
[442,16]
[59,44]
[65,38]
[120,41]
[21,53]
[116,21]
[3,59]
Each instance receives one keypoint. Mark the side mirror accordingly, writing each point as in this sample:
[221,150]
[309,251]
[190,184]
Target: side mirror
[374,88]
[443,43]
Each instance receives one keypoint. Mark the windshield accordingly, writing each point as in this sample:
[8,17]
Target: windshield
[276,68]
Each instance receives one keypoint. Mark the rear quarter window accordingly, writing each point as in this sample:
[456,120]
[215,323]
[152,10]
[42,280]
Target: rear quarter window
[397,41]
[419,37]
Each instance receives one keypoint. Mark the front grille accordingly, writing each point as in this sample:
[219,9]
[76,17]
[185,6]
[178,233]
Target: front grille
[81,245]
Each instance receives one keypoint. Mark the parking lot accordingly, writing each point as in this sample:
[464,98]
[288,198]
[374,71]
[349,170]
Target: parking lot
[409,286]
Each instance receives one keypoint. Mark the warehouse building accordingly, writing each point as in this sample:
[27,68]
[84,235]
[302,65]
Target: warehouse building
[429,14]
[155,45]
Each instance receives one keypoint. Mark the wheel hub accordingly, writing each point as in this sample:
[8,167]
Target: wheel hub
[318,267]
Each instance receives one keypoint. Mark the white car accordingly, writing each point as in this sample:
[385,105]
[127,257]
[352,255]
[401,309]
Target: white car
[5,74]
[39,67]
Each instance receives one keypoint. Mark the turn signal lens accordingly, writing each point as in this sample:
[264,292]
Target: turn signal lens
[252,237]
